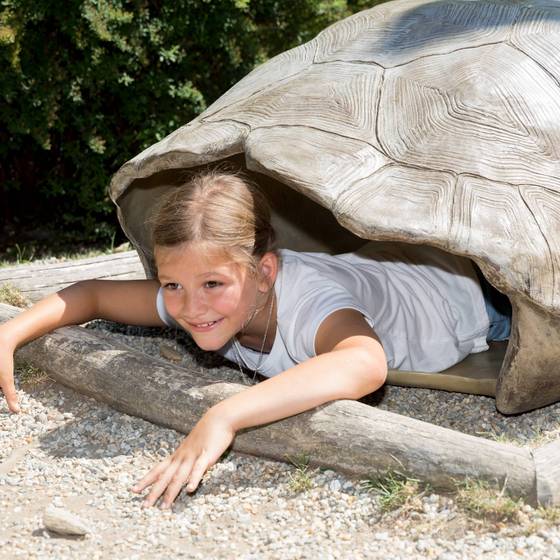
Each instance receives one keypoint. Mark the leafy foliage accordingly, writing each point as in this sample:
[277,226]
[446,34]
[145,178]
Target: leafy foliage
[86,84]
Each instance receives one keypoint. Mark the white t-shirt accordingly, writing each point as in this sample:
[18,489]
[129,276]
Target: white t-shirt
[425,305]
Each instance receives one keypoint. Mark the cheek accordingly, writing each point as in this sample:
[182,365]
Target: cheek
[172,303]
[229,301]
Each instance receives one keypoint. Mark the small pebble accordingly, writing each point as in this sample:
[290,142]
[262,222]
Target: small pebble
[170,353]
[64,522]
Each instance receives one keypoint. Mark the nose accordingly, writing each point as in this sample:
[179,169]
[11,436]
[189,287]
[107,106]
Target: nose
[193,307]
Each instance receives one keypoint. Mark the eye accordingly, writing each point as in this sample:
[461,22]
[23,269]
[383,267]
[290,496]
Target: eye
[171,286]
[212,284]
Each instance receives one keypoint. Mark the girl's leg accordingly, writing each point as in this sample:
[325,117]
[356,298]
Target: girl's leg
[498,308]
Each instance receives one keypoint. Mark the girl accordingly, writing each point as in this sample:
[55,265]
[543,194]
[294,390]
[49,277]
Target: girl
[320,327]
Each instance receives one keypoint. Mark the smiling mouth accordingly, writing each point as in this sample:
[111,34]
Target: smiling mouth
[204,326]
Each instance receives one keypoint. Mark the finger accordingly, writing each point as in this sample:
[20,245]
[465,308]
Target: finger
[10,393]
[197,472]
[160,484]
[175,484]
[152,476]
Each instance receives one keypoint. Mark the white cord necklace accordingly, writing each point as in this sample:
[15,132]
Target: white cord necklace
[238,349]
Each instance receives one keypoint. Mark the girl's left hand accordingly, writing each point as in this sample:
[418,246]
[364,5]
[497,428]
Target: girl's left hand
[197,453]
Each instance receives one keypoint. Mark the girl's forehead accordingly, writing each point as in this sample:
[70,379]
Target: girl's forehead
[196,256]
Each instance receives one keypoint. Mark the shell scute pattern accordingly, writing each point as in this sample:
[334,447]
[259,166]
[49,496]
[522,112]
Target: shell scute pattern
[396,33]
[282,152]
[338,98]
[380,206]
[537,35]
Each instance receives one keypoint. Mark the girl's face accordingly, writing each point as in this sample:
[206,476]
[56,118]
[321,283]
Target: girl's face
[206,292]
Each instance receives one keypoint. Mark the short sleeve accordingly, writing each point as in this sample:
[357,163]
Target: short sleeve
[162,311]
[313,307]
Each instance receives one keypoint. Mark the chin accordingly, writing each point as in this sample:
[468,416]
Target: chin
[208,345]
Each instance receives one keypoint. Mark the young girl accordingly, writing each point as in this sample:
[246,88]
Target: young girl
[320,327]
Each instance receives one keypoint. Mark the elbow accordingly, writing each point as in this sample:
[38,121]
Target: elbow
[80,301]
[371,373]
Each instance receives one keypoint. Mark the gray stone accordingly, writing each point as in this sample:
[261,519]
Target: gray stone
[61,521]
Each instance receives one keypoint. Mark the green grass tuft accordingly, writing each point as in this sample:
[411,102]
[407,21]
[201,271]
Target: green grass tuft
[395,490]
[300,480]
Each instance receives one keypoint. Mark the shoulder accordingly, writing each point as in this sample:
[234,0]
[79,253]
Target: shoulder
[303,276]
[300,262]
[307,293]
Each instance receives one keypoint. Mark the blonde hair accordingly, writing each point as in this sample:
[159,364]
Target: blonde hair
[220,208]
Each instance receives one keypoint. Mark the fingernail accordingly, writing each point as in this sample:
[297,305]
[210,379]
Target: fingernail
[164,506]
[145,504]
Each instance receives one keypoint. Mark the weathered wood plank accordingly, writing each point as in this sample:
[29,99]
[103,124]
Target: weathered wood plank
[36,281]
[345,435]
[477,374]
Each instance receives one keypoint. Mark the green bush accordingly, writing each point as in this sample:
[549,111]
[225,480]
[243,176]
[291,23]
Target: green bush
[87,84]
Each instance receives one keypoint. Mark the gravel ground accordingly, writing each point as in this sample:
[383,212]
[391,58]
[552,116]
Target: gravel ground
[78,454]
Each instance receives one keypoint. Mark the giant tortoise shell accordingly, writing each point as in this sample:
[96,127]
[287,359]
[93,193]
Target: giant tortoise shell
[416,121]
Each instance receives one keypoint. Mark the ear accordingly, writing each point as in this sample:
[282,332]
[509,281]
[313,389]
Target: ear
[268,269]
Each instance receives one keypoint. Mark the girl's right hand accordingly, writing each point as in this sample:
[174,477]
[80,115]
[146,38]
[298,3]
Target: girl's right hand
[7,375]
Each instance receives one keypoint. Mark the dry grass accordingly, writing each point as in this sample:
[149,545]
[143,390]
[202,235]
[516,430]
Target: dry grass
[550,514]
[12,296]
[480,500]
[500,437]
[538,438]
[31,376]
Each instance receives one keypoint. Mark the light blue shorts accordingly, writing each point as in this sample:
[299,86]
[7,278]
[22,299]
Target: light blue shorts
[498,308]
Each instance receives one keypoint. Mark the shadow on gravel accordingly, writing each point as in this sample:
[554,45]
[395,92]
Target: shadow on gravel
[91,429]
[149,339]
[52,535]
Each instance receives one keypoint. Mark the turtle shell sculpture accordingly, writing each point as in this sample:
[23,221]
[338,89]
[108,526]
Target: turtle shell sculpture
[421,122]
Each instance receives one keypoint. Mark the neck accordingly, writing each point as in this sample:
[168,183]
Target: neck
[256,334]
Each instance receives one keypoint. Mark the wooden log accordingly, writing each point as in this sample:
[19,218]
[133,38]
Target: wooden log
[547,466]
[348,436]
[36,281]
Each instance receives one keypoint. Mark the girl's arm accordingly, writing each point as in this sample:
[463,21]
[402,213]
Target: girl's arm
[350,363]
[125,301]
